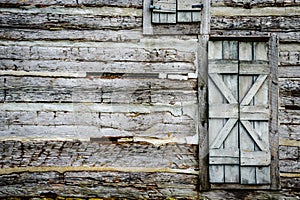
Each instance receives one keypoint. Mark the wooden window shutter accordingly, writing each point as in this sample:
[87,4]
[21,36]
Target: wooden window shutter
[164,11]
[174,11]
[239,112]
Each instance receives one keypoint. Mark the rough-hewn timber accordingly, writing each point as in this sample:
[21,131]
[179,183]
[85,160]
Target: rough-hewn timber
[74,71]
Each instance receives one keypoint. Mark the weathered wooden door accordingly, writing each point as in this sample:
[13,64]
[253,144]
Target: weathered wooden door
[239,112]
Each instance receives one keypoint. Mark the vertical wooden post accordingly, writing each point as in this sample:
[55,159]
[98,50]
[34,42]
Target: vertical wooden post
[147,25]
[274,135]
[202,94]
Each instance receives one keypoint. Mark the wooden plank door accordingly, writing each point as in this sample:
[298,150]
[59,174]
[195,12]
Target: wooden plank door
[238,98]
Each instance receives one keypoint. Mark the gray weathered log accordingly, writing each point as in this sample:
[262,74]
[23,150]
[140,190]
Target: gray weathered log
[108,154]
[273,23]
[289,58]
[290,93]
[254,3]
[288,71]
[95,54]
[110,89]
[123,3]
[291,132]
[98,67]
[289,116]
[67,21]
[100,184]
[78,35]
[68,124]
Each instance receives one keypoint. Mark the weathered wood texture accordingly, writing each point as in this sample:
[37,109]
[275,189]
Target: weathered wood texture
[264,23]
[106,154]
[254,3]
[73,3]
[109,89]
[82,70]
[70,18]
[71,125]
[100,184]
[95,54]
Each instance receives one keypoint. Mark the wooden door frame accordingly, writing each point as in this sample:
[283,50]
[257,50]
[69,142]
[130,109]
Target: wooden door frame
[273,42]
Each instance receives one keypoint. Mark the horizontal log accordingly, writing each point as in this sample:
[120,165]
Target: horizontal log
[101,90]
[289,116]
[179,133]
[289,102]
[116,36]
[78,35]
[128,122]
[70,18]
[95,54]
[289,143]
[265,11]
[56,121]
[48,66]
[288,71]
[288,152]
[73,3]
[289,93]
[255,23]
[283,36]
[289,86]
[287,58]
[176,109]
[289,182]
[291,132]
[100,185]
[254,3]
[75,153]
[289,165]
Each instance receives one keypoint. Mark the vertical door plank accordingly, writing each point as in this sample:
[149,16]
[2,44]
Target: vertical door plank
[184,17]
[248,174]
[215,50]
[262,127]
[230,52]
[216,172]
[155,17]
[232,171]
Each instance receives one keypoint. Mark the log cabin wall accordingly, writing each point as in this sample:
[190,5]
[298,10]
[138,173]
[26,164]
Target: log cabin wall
[91,107]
